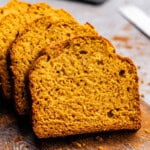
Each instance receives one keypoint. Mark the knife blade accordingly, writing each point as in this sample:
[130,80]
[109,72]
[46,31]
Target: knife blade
[137,17]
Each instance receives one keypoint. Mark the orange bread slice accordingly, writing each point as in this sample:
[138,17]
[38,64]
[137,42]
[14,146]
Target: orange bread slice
[79,86]
[27,47]
[11,26]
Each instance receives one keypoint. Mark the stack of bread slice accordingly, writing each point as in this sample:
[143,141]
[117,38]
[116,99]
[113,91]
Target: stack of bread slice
[13,24]
[68,76]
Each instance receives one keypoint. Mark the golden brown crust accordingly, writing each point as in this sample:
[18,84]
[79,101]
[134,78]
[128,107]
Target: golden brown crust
[62,105]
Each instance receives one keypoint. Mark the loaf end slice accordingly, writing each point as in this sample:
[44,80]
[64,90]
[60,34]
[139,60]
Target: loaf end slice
[79,86]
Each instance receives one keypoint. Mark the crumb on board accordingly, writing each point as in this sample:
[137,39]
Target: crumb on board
[142,81]
[142,95]
[19,138]
[100,139]
[77,144]
[148,83]
[147,131]
[100,148]
[6,119]
[128,46]
[62,148]
[83,144]
[139,67]
[127,27]
[136,145]
[120,38]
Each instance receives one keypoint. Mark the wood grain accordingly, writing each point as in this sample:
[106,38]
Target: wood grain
[16,134]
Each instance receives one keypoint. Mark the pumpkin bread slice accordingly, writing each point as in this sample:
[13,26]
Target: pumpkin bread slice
[79,86]
[27,47]
[14,24]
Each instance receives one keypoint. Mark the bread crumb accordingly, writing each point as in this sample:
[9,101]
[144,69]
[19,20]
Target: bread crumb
[136,145]
[142,95]
[142,81]
[147,131]
[139,67]
[128,46]
[19,138]
[121,38]
[83,144]
[77,144]
[148,83]
[127,27]
[6,119]
[100,148]
[124,40]
[100,139]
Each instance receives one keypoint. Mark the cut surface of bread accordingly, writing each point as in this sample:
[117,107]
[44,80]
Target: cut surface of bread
[27,47]
[14,24]
[79,86]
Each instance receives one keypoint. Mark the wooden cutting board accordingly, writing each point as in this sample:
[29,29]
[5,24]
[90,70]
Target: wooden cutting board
[16,134]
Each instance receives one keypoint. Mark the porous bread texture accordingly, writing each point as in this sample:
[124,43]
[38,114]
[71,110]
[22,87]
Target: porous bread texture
[27,47]
[14,24]
[15,7]
[79,86]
